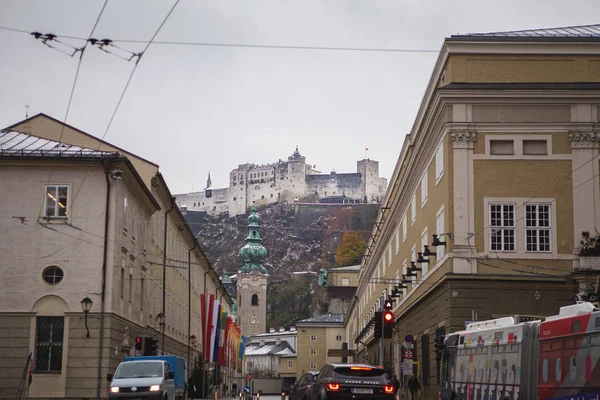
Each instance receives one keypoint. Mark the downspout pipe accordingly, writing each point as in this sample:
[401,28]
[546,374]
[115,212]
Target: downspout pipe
[204,322]
[164,282]
[107,165]
[190,305]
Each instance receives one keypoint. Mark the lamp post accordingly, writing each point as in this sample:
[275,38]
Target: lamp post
[160,317]
[193,342]
[86,306]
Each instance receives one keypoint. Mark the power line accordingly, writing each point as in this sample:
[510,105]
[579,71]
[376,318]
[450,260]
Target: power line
[82,51]
[256,46]
[565,175]
[136,64]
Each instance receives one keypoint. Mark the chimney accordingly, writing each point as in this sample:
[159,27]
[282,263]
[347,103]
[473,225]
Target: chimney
[278,341]
[271,330]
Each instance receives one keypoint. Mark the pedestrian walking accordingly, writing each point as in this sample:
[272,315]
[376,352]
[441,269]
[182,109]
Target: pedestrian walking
[395,384]
[413,386]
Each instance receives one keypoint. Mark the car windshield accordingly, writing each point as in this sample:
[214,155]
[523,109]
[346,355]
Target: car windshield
[362,372]
[139,370]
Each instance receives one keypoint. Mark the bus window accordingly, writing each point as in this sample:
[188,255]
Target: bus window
[572,369]
[558,370]
[576,326]
[595,340]
[545,370]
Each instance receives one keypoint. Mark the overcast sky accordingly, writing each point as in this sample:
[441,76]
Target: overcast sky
[192,109]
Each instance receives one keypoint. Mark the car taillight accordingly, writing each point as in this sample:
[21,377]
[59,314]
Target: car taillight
[388,389]
[333,386]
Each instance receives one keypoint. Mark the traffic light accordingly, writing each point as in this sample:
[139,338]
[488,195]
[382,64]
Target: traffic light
[154,347]
[378,321]
[439,347]
[388,323]
[138,343]
[387,304]
[147,345]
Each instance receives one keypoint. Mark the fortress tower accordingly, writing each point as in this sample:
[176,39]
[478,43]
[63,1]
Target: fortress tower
[252,281]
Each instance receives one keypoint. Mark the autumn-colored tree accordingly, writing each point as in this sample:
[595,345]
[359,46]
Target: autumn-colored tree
[351,250]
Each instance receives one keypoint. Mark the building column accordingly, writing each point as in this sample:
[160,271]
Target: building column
[586,187]
[463,141]
[585,145]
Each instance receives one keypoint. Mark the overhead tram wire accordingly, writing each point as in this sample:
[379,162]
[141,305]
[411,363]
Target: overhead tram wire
[82,51]
[140,55]
[254,46]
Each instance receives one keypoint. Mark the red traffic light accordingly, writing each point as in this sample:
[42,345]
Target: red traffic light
[388,316]
[138,340]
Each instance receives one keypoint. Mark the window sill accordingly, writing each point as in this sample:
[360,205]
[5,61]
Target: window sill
[55,220]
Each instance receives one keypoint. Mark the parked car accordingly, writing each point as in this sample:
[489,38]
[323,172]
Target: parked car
[148,378]
[298,390]
[351,381]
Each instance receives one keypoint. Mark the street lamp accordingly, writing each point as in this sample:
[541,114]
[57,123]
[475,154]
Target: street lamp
[160,318]
[86,306]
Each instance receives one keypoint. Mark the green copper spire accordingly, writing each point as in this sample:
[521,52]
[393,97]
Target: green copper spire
[253,253]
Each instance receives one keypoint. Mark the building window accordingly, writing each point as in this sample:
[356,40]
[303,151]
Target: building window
[125,213]
[290,364]
[535,147]
[338,338]
[502,222]
[254,299]
[313,366]
[48,344]
[313,338]
[57,198]
[142,290]
[439,228]
[122,283]
[413,258]
[313,352]
[130,286]
[424,241]
[439,163]
[502,147]
[397,240]
[345,282]
[537,227]
[404,231]
[424,191]
[413,209]
[53,275]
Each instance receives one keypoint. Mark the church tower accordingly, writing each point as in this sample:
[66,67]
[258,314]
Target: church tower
[252,281]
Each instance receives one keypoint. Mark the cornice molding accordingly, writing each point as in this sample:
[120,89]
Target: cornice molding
[584,139]
[463,138]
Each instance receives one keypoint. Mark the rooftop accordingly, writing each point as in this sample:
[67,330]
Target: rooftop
[269,348]
[324,319]
[21,144]
[347,268]
[581,32]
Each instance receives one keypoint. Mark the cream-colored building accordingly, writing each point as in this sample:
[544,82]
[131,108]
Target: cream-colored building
[84,219]
[316,336]
[501,164]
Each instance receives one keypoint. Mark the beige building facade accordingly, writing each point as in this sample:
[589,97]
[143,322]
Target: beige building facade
[501,165]
[89,222]
[315,337]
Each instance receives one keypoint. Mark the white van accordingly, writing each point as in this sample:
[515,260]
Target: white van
[143,379]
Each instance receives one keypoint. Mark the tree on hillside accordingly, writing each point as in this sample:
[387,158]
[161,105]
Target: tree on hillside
[288,301]
[351,250]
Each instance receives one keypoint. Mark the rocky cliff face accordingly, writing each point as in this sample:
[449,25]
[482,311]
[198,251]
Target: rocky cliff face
[298,238]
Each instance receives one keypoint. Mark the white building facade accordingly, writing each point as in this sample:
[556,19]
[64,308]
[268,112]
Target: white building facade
[251,184]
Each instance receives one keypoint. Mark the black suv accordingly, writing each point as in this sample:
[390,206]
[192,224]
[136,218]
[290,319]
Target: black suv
[351,381]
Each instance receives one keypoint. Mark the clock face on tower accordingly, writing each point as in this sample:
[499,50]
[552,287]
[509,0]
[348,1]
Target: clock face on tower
[254,319]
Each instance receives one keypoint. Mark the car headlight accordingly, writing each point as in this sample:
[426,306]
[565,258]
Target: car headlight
[154,388]
[114,389]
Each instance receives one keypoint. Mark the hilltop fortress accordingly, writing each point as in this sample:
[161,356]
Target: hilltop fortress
[290,180]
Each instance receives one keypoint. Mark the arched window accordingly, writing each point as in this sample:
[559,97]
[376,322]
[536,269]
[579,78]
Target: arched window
[254,299]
